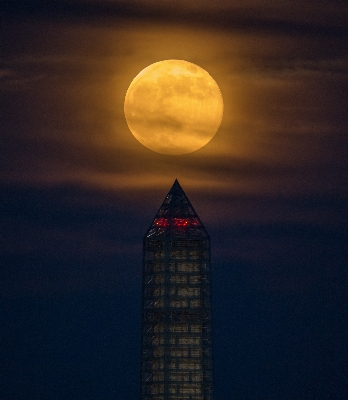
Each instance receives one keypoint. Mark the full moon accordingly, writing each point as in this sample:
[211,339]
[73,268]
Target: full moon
[173,107]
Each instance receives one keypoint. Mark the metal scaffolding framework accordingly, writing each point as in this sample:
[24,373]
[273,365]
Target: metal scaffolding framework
[176,304]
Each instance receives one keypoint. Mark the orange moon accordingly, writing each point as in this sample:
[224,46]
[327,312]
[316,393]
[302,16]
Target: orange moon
[173,107]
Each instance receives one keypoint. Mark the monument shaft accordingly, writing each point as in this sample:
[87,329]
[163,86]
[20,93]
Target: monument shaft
[176,308]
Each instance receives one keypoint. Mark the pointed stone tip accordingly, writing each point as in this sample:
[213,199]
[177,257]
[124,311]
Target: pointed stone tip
[176,185]
[176,217]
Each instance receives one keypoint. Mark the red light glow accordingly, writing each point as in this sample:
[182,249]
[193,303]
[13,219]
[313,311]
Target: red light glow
[194,222]
[181,222]
[162,222]
[177,222]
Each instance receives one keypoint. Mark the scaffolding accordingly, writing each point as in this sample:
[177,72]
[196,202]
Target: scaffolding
[176,305]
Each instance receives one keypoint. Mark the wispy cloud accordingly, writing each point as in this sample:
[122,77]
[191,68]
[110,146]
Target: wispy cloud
[254,16]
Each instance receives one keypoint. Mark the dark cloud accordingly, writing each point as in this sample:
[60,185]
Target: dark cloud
[52,232]
[282,19]
[71,265]
[78,192]
[64,238]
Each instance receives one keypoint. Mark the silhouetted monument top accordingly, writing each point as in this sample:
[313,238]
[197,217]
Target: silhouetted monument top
[176,360]
[176,217]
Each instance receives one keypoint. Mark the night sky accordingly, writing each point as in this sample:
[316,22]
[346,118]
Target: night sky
[78,193]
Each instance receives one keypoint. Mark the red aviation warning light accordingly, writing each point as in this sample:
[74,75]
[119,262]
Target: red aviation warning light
[162,222]
[181,222]
[177,222]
